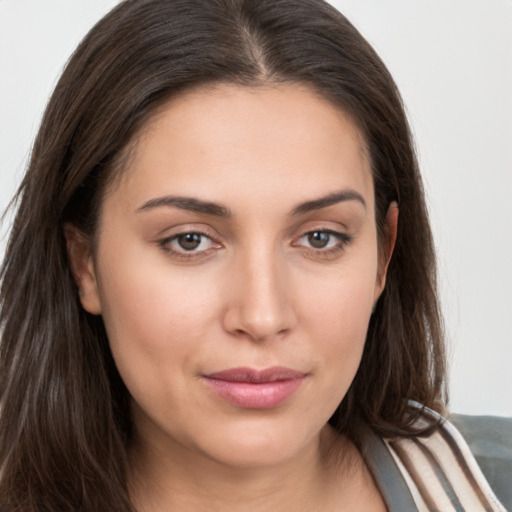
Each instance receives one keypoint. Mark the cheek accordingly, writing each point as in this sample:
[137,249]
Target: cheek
[336,313]
[156,319]
[340,302]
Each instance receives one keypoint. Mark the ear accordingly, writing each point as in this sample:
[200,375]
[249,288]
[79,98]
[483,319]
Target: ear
[79,251]
[388,244]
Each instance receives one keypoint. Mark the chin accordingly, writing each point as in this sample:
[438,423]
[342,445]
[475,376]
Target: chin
[258,444]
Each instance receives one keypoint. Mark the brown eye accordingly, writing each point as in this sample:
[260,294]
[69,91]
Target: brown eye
[189,244]
[319,239]
[323,242]
[189,241]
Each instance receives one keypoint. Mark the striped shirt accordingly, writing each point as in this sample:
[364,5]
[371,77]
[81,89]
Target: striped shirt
[427,474]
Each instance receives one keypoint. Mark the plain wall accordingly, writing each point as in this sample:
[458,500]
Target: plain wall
[452,60]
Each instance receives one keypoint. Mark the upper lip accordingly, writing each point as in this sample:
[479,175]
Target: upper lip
[255,376]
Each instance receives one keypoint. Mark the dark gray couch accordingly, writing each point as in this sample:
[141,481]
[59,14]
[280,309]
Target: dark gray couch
[490,440]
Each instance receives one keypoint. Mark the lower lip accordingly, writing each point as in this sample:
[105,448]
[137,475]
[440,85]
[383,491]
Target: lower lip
[249,395]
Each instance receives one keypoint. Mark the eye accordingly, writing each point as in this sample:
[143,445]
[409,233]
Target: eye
[190,241]
[319,239]
[323,239]
[188,244]
[323,244]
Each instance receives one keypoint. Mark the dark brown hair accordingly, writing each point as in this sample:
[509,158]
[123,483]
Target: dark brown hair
[65,413]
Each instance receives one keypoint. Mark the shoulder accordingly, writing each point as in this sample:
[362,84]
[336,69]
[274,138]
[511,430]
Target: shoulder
[490,441]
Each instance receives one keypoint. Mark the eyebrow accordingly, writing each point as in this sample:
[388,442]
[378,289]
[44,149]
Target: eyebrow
[209,208]
[187,203]
[329,200]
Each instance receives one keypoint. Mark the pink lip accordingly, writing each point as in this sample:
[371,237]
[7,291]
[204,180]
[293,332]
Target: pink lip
[255,389]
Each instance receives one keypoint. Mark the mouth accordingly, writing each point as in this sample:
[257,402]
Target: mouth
[255,389]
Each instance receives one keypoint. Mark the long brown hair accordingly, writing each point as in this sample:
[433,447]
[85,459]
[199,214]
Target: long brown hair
[65,413]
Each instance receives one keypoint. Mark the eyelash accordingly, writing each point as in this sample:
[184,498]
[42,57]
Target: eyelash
[184,255]
[343,240]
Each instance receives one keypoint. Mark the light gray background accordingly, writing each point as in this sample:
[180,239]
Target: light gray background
[452,60]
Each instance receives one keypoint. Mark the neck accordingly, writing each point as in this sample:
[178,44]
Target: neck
[181,479]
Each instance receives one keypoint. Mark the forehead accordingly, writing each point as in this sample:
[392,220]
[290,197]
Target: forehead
[226,139]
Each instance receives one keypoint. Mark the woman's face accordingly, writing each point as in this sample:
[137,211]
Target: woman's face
[236,268]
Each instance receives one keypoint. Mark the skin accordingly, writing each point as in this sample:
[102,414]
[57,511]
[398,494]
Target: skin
[256,292]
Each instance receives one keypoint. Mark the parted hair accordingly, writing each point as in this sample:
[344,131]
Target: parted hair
[65,422]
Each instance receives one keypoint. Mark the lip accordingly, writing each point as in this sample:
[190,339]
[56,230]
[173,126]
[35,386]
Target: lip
[255,389]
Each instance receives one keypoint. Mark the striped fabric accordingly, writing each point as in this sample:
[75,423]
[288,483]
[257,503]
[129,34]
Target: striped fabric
[439,472]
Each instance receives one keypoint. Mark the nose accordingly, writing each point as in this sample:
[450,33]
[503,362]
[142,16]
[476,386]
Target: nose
[260,305]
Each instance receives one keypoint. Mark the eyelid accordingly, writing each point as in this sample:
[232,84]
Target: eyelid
[344,237]
[334,227]
[328,253]
[180,235]
[164,243]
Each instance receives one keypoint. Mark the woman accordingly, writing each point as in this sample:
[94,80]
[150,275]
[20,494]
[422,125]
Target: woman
[237,308]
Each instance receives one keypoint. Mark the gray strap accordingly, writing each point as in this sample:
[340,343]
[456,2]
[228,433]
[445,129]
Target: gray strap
[386,473]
